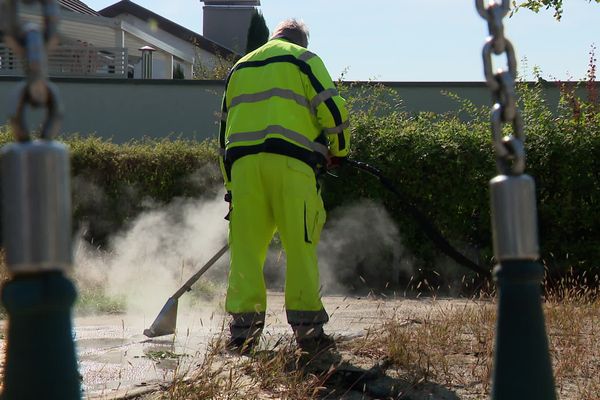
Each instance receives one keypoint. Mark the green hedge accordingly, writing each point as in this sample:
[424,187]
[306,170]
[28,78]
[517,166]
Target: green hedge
[125,179]
[443,163]
[113,183]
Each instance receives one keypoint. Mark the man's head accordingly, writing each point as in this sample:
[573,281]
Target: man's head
[293,30]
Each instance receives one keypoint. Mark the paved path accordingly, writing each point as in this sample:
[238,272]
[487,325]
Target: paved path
[116,360]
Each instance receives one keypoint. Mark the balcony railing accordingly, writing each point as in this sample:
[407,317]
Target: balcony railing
[73,61]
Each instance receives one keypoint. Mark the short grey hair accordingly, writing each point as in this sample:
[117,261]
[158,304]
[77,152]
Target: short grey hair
[293,30]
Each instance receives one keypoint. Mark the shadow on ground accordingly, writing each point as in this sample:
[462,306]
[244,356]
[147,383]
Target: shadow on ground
[339,379]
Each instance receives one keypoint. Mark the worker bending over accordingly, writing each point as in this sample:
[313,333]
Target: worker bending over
[283,121]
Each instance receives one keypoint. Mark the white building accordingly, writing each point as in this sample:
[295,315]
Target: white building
[107,43]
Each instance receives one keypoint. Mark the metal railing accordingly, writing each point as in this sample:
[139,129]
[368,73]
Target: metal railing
[72,61]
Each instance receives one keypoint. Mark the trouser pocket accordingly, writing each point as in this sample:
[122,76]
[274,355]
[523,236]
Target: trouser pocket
[314,219]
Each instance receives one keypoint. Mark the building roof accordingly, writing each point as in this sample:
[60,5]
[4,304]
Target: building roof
[77,6]
[129,7]
[70,5]
[231,2]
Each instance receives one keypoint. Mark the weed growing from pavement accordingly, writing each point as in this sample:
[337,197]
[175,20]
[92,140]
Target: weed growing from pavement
[271,369]
[158,355]
[443,342]
[213,378]
[452,344]
[93,301]
[446,342]
[449,343]
[573,319]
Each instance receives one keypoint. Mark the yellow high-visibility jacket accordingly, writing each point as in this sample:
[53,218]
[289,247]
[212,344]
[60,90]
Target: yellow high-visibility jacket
[281,99]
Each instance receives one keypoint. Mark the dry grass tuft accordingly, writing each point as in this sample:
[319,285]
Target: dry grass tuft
[573,323]
[453,345]
[268,374]
[450,344]
[444,344]
[4,275]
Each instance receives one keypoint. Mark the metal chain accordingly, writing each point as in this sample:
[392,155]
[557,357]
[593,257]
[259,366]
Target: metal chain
[29,43]
[510,150]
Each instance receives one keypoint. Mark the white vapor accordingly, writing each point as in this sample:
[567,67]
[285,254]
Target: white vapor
[158,251]
[361,249]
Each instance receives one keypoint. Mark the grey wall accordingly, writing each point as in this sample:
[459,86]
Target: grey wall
[127,109]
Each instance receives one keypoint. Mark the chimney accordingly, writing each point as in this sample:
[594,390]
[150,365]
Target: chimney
[226,22]
[147,61]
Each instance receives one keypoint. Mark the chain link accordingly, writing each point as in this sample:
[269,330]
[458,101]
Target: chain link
[510,150]
[31,44]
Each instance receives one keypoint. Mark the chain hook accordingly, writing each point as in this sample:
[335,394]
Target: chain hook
[15,36]
[494,14]
[510,150]
[484,11]
[29,43]
[54,113]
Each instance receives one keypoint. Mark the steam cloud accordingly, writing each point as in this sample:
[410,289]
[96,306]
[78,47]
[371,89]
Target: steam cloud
[159,251]
[361,249]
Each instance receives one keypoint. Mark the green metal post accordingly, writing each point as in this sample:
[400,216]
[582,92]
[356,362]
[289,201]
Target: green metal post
[36,214]
[40,354]
[522,367]
[36,223]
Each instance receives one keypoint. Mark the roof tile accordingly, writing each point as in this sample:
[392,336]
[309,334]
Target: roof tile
[78,7]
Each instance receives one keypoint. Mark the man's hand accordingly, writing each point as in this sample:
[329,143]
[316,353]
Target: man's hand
[228,199]
[334,162]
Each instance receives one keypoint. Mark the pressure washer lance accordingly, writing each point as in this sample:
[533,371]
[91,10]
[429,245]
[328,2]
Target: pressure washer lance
[166,321]
[430,230]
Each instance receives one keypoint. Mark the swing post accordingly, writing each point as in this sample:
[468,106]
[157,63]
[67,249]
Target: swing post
[41,361]
[522,367]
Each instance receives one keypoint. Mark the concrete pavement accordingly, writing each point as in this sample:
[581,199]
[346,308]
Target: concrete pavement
[117,361]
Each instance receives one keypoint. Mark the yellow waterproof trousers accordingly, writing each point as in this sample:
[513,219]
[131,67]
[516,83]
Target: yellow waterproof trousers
[270,193]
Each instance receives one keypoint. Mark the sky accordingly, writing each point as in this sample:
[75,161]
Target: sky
[419,40]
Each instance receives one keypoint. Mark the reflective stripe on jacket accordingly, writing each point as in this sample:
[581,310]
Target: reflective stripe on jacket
[281,99]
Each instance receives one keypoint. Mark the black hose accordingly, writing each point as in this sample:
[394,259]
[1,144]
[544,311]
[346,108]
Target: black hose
[432,232]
